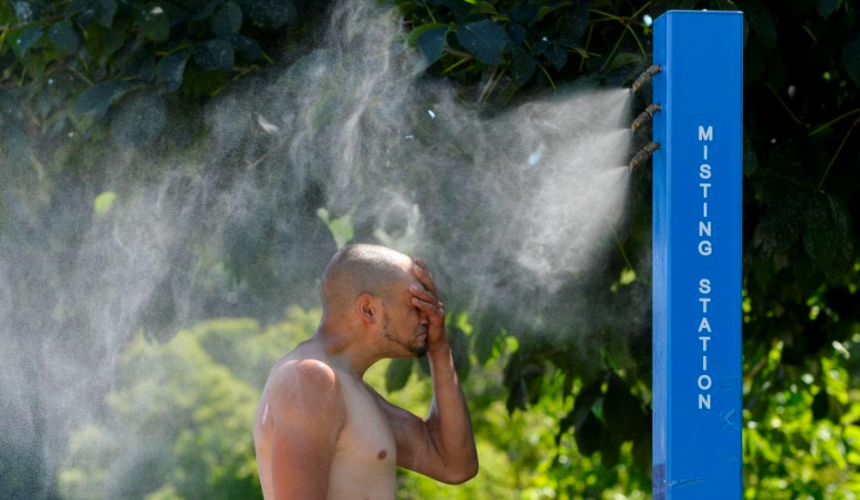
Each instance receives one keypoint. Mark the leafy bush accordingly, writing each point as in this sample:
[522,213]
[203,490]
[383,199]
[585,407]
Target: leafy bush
[88,83]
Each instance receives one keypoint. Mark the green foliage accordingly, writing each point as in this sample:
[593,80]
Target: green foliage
[551,410]
[801,182]
[180,424]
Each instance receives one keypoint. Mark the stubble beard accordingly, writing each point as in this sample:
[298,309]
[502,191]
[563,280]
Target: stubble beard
[416,350]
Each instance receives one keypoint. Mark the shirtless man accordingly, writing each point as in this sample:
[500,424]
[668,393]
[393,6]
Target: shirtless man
[320,431]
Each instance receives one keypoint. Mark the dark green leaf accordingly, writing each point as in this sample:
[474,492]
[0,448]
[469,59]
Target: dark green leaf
[622,411]
[781,225]
[581,408]
[750,158]
[826,229]
[820,405]
[483,7]
[525,14]
[556,55]
[610,452]
[851,59]
[759,20]
[540,46]
[155,24]
[214,54]
[412,39]
[523,65]
[208,11]
[397,374]
[548,9]
[28,38]
[573,25]
[642,451]
[270,13]
[76,7]
[827,7]
[247,47]
[107,11]
[96,100]
[227,20]
[517,397]
[588,434]
[171,69]
[680,4]
[625,58]
[487,336]
[142,66]
[431,43]
[585,400]
[139,121]
[516,32]
[485,40]
[754,61]
[113,41]
[64,36]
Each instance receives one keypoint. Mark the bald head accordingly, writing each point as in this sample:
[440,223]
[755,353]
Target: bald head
[357,269]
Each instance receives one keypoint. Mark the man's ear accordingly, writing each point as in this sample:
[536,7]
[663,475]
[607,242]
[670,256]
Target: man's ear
[367,309]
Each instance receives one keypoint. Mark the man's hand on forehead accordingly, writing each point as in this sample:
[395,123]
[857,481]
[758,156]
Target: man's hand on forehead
[427,299]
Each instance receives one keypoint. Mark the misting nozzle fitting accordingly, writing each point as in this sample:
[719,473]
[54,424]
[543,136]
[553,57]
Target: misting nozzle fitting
[645,77]
[642,156]
[645,116]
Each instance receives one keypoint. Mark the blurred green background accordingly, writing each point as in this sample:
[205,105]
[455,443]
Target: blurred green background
[553,419]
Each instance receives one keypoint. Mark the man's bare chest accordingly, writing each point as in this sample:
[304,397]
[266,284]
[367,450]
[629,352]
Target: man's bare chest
[367,437]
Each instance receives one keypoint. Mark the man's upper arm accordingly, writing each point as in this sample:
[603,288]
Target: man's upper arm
[306,427]
[416,449]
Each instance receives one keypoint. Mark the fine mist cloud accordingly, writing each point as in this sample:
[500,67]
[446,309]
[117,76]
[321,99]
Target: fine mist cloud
[506,207]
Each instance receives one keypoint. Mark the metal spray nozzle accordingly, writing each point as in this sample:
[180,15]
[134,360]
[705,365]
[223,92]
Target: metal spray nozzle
[645,116]
[642,156]
[645,77]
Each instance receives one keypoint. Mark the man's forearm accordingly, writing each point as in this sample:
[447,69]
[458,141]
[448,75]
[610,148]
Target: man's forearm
[449,420]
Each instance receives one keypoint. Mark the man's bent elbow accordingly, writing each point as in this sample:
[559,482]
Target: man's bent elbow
[463,474]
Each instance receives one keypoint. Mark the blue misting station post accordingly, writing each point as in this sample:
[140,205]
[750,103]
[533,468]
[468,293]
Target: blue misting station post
[697,163]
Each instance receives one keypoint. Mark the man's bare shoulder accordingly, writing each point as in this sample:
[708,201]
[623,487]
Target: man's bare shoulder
[303,386]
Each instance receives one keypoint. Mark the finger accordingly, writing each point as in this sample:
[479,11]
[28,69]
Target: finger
[427,306]
[423,294]
[425,277]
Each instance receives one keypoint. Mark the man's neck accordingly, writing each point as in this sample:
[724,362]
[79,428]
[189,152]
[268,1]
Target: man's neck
[344,351]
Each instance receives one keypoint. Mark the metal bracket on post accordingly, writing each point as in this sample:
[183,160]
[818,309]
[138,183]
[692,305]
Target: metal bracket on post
[697,256]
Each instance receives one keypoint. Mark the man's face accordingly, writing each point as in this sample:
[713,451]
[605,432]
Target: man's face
[403,324]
